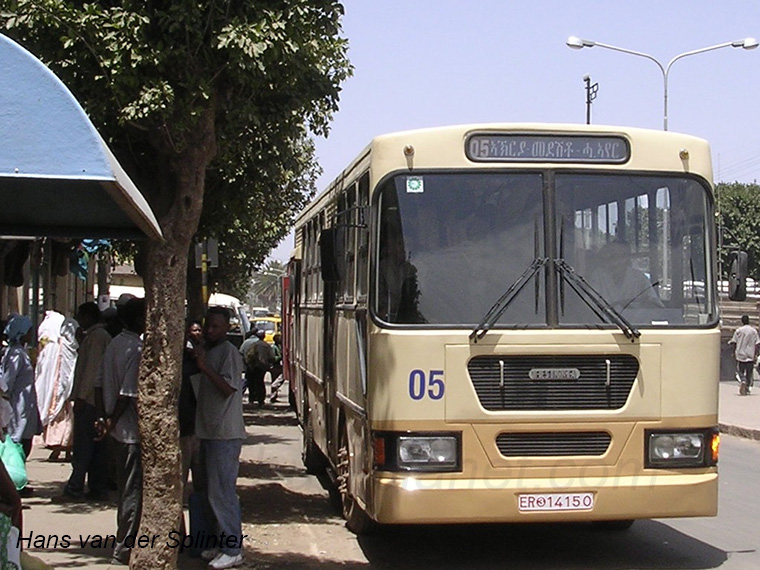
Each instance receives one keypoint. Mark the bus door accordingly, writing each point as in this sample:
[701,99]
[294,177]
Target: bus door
[289,301]
[330,275]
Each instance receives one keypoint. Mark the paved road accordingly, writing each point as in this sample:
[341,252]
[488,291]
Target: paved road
[729,541]
[292,524]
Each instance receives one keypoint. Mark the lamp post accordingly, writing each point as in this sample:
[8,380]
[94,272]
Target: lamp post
[579,43]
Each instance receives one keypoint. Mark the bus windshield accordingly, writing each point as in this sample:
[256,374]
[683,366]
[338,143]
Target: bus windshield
[451,244]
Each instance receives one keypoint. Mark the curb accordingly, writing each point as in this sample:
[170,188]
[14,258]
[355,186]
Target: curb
[738,431]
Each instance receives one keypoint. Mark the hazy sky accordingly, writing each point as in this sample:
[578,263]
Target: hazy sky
[424,63]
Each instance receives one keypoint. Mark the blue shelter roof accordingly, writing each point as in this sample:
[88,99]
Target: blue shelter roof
[57,176]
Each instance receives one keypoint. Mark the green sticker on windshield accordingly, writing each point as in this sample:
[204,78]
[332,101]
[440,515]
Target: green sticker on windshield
[414,185]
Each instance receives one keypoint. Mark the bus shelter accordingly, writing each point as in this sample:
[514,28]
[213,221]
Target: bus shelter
[58,178]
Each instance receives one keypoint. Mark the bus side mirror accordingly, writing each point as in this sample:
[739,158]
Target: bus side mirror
[737,277]
[329,255]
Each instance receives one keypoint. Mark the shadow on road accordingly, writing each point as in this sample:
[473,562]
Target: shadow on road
[270,471]
[303,562]
[269,417]
[647,545]
[272,503]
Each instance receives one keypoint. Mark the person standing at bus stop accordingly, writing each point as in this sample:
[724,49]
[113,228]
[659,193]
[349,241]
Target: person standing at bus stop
[116,401]
[90,458]
[17,383]
[746,341]
[220,428]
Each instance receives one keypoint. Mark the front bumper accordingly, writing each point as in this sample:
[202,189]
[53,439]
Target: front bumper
[418,500]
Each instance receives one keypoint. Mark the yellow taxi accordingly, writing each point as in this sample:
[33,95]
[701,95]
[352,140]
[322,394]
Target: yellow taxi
[270,325]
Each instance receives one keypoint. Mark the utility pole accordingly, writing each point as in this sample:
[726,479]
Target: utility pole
[591,91]
[206,257]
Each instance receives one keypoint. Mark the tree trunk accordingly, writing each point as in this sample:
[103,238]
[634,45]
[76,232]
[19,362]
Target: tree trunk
[160,376]
[195,306]
[160,369]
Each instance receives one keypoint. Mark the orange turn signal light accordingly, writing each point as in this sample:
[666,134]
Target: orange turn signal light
[715,447]
[378,445]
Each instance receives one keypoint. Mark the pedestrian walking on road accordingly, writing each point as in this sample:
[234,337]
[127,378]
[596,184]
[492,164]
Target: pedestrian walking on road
[747,342]
[250,338]
[220,428]
[259,358]
[276,372]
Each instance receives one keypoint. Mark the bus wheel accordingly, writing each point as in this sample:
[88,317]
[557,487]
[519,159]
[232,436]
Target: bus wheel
[613,525]
[312,457]
[357,521]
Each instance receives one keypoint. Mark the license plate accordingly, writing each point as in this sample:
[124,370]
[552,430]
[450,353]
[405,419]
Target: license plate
[530,502]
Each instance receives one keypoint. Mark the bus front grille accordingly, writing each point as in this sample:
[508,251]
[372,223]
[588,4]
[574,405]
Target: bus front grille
[553,382]
[553,444]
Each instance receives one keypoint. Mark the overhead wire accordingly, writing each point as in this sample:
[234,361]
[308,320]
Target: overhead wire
[739,165]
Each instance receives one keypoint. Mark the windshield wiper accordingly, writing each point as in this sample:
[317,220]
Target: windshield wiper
[595,300]
[501,305]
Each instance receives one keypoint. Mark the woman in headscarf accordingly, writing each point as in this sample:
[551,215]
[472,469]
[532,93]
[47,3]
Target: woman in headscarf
[54,375]
[17,381]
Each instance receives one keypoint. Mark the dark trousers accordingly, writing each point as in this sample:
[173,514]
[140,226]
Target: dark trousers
[257,391]
[26,445]
[745,370]
[129,482]
[89,456]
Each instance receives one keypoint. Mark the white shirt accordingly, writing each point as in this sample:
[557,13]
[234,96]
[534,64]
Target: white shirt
[218,416]
[745,338]
[631,289]
[118,377]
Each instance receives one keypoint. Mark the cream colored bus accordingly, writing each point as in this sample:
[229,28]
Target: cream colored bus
[511,323]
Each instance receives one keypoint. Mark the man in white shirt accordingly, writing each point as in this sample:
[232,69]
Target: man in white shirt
[116,392]
[746,341]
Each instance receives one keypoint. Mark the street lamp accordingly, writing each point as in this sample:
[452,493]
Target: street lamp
[579,43]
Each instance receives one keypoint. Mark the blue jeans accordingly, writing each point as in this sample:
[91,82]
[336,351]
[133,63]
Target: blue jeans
[221,460]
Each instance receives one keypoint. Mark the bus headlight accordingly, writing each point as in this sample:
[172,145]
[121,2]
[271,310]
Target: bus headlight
[417,451]
[666,449]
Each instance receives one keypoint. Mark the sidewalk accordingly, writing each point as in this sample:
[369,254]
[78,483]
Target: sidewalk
[70,534]
[75,534]
[739,415]
[281,503]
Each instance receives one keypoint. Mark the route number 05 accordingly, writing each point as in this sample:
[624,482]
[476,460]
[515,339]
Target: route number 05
[430,385]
